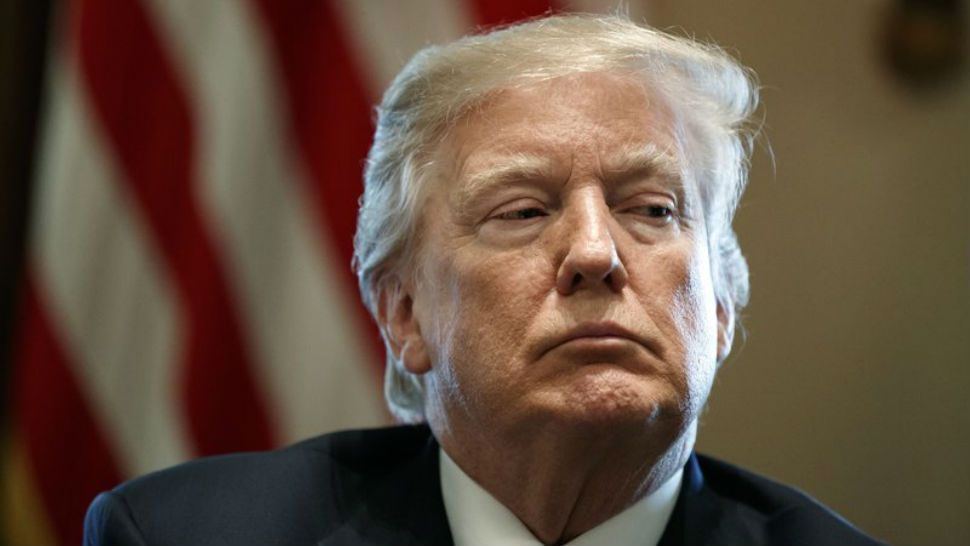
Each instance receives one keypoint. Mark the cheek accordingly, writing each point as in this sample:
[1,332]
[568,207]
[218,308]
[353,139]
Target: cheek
[479,314]
[678,295]
[482,305]
[694,317]
[500,296]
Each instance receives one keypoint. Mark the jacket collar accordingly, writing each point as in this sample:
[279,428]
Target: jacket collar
[399,503]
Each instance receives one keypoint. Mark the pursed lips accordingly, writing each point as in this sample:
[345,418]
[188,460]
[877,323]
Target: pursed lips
[594,330]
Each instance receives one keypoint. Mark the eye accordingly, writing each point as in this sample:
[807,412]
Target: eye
[657,211]
[521,214]
[662,213]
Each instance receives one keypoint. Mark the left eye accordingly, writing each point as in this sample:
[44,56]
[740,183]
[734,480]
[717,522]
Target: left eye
[653,211]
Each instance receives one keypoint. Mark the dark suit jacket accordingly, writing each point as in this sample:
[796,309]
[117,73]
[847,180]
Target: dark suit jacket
[381,487]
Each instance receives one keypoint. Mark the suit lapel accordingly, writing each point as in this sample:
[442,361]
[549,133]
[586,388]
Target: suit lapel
[392,495]
[392,502]
[702,517]
[693,506]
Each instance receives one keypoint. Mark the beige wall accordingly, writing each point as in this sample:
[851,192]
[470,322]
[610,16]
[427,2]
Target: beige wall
[854,382]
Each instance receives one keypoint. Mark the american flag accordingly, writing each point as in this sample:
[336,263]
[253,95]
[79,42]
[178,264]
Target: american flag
[188,289]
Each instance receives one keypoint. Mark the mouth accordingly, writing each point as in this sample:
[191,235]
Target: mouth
[596,334]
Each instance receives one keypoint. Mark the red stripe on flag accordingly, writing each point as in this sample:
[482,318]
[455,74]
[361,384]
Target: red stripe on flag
[329,116]
[146,116]
[496,12]
[66,451]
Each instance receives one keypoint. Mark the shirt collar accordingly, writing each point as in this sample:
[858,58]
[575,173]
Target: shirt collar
[476,518]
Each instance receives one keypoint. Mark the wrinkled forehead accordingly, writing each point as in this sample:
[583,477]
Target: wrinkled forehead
[612,98]
[540,130]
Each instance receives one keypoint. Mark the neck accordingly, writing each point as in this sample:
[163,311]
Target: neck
[563,481]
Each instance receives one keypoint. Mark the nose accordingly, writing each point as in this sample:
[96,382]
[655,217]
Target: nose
[591,260]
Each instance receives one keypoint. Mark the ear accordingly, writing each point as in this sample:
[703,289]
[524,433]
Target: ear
[400,326]
[725,330]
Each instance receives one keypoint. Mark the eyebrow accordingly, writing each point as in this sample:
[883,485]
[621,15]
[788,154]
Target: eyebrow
[507,170]
[643,161]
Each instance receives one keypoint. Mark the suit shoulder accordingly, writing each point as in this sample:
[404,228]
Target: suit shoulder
[245,498]
[351,448]
[109,523]
[754,490]
[790,516]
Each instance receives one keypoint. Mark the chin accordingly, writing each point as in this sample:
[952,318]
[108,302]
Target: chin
[605,395]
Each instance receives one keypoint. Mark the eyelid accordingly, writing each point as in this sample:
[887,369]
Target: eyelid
[521,203]
[641,207]
[650,199]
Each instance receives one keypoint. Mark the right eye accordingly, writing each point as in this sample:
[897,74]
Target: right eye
[525,213]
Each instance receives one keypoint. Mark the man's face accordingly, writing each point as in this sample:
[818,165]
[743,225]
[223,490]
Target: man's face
[563,272]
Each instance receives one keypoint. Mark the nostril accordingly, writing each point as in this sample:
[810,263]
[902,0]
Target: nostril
[577,280]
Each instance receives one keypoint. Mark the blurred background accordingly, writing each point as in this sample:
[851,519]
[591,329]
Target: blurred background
[178,185]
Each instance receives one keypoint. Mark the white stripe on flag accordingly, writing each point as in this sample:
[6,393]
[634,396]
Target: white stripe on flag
[295,307]
[386,33]
[108,298]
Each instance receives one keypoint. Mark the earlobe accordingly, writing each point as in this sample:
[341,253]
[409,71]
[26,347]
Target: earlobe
[725,331]
[401,328]
[414,356]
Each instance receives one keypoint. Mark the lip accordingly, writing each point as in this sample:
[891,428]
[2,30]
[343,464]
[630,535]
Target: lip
[593,330]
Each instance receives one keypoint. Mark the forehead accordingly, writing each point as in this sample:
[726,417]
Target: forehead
[604,120]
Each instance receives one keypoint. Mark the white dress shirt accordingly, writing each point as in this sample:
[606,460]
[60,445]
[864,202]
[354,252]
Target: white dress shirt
[476,518]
